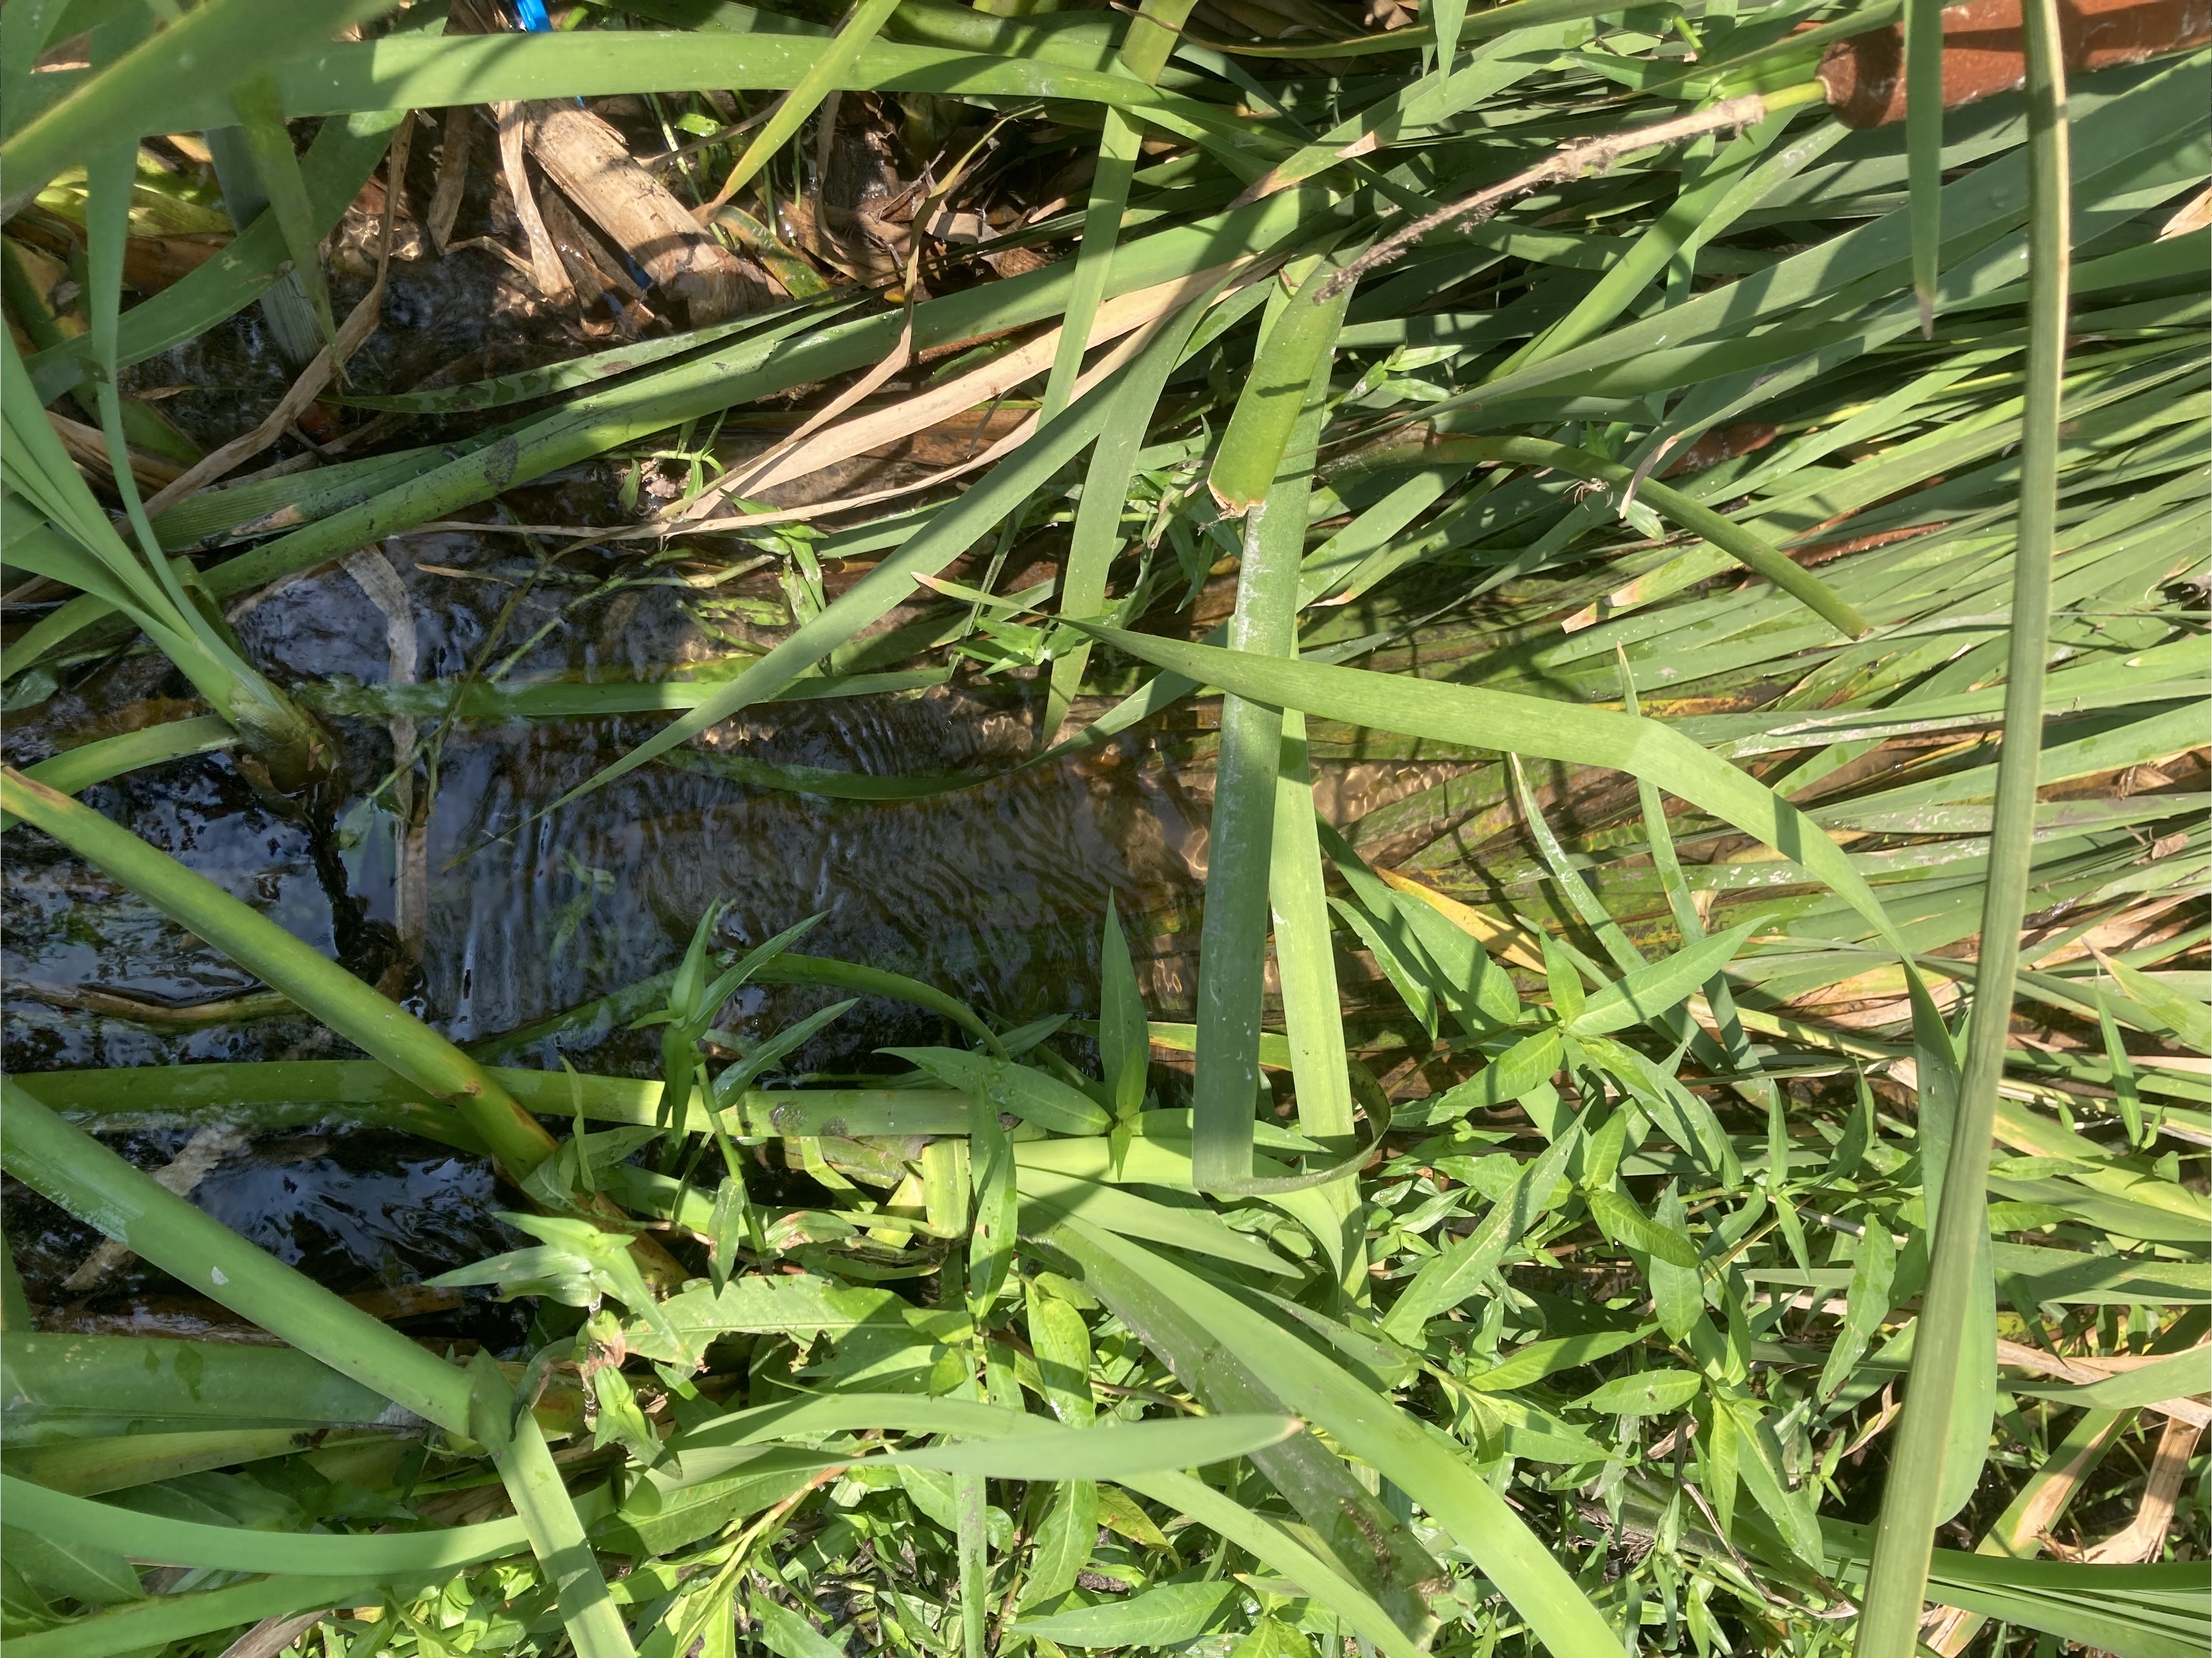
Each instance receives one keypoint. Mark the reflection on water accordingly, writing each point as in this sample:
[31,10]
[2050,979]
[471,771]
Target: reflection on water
[993,893]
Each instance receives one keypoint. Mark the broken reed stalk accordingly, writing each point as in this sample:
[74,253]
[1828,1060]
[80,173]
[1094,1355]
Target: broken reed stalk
[1572,162]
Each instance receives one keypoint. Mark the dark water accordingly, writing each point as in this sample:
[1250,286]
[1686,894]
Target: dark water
[993,893]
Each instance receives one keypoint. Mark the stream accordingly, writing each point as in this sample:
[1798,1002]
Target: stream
[419,881]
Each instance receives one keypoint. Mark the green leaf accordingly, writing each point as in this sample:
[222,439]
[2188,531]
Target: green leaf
[1630,1227]
[1429,1470]
[2176,1377]
[1541,1358]
[1646,1392]
[1233,928]
[1063,1544]
[1527,725]
[1760,1462]
[1951,1396]
[1061,1342]
[309,978]
[1521,1069]
[1652,990]
[1456,1273]
[1866,1304]
[1166,1616]
[1124,1047]
[787,1635]
[2191,1021]
[1276,394]
[1003,1085]
[1048,1194]
[1678,1292]
[1924,140]
[62,1567]
[277,165]
[824,76]
[1106,1452]
[78,1523]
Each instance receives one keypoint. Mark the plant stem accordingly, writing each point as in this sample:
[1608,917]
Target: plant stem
[1898,1577]
[318,984]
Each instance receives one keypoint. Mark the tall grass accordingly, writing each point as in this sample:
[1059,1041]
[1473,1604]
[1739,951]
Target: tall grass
[1712,1158]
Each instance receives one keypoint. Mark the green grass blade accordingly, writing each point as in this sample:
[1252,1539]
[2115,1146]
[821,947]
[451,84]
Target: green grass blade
[1274,1548]
[222,42]
[318,984]
[1305,963]
[153,1537]
[399,72]
[1504,720]
[1738,542]
[546,1513]
[1375,1547]
[1923,142]
[1124,1050]
[944,538]
[75,770]
[1151,39]
[1247,468]
[1418,1461]
[276,165]
[1098,534]
[824,76]
[69,1166]
[163,1623]
[1233,936]
[1958,1286]
[338,163]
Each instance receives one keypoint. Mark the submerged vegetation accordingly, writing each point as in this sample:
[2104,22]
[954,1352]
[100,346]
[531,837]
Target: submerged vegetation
[1664,1108]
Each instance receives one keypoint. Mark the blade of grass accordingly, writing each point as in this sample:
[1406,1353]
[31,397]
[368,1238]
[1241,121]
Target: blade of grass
[1913,1507]
[277,165]
[218,45]
[320,984]
[1143,54]
[1375,1548]
[1305,963]
[1738,542]
[1280,393]
[71,1167]
[156,1537]
[76,1171]
[338,163]
[944,537]
[1369,1426]
[1923,144]
[1233,938]
[75,770]
[823,77]
[1503,721]
[396,73]
[545,1512]
[1097,535]
[163,1623]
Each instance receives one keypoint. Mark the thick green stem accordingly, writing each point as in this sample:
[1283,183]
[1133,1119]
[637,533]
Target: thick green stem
[84,1177]
[1898,1577]
[76,1171]
[318,984]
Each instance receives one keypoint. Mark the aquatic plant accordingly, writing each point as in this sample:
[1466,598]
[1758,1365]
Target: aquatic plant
[1712,1152]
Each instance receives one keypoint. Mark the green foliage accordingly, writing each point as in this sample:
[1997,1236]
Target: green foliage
[1718,790]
